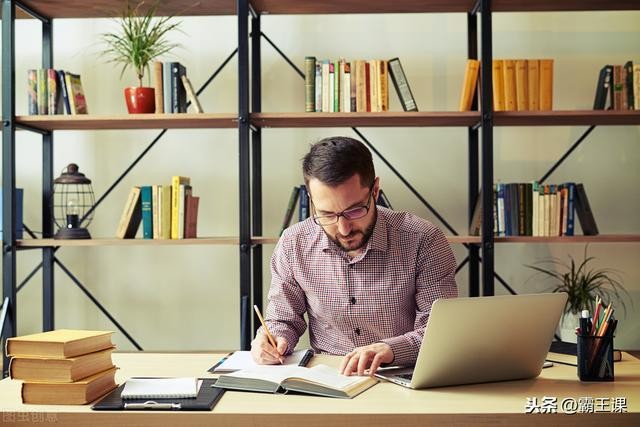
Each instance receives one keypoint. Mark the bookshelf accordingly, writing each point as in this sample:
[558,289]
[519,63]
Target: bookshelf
[250,121]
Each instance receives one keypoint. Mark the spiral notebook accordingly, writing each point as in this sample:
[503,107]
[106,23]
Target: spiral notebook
[160,388]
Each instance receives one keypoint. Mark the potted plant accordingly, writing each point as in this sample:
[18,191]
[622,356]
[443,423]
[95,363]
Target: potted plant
[583,284]
[141,38]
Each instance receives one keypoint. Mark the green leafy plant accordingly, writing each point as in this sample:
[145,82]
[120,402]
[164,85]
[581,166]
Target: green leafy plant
[141,38]
[582,283]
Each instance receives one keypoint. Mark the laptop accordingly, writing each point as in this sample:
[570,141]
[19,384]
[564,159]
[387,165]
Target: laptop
[483,339]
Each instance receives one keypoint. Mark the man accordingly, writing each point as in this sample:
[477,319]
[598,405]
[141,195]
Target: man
[366,276]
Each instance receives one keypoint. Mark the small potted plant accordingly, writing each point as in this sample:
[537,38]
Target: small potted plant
[141,38]
[582,285]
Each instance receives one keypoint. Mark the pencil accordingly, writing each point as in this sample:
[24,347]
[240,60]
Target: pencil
[264,325]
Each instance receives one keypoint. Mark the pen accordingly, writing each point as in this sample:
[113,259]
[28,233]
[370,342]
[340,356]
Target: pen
[150,404]
[264,325]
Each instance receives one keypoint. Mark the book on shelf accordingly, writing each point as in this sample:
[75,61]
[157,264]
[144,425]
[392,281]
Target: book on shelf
[522,85]
[401,84]
[166,88]
[146,198]
[318,86]
[191,217]
[131,216]
[63,91]
[41,93]
[54,100]
[75,92]
[191,95]
[469,84]
[546,84]
[176,182]
[628,82]
[32,92]
[348,91]
[603,88]
[583,210]
[303,208]
[319,380]
[158,86]
[65,370]
[19,225]
[383,200]
[636,86]
[291,206]
[509,79]
[75,393]
[164,212]
[184,192]
[178,92]
[155,209]
[497,75]
[533,84]
[58,343]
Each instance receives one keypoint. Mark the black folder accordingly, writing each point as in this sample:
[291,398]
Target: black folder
[207,398]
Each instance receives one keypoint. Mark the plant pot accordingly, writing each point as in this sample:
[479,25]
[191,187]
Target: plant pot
[140,100]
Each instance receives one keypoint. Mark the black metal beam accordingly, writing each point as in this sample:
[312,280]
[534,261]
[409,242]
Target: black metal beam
[48,294]
[474,161]
[9,327]
[486,110]
[244,173]
[285,57]
[256,167]
[567,153]
[32,12]
[79,284]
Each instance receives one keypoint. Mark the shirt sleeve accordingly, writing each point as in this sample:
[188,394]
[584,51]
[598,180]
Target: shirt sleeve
[285,312]
[435,278]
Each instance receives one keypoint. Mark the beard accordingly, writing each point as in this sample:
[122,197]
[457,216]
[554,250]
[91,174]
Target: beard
[356,239]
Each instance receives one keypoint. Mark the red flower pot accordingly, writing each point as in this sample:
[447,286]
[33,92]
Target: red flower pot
[140,99]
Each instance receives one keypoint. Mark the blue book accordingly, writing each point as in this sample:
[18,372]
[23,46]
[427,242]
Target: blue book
[571,200]
[166,87]
[303,211]
[146,197]
[19,210]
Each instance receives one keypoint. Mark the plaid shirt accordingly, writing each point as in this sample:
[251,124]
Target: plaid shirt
[384,294]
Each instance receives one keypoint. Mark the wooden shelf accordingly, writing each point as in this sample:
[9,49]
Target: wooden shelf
[602,238]
[427,6]
[386,119]
[566,117]
[128,242]
[112,8]
[129,121]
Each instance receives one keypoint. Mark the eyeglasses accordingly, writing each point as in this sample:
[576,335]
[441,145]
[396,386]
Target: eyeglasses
[350,214]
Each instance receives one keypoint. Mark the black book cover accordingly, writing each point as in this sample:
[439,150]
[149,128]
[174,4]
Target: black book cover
[178,92]
[402,85]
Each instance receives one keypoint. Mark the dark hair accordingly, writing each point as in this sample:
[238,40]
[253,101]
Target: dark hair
[334,160]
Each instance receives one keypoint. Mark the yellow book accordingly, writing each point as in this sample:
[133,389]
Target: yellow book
[469,84]
[533,74]
[75,393]
[176,181]
[498,85]
[522,85]
[361,86]
[155,210]
[374,75]
[59,343]
[164,202]
[546,84]
[60,370]
[509,70]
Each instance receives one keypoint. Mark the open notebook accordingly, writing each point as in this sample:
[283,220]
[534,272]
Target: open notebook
[320,380]
[161,388]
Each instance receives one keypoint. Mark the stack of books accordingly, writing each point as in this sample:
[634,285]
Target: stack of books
[618,87]
[52,91]
[173,88]
[65,367]
[165,211]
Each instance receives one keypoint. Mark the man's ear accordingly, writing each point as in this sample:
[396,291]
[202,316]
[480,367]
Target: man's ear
[376,188]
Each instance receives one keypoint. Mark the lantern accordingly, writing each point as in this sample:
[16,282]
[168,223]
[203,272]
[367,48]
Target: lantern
[73,198]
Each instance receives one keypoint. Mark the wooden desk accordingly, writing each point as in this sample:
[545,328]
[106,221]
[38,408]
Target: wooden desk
[384,404]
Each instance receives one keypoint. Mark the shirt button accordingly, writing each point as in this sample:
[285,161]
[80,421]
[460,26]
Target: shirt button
[353,300]
[357,331]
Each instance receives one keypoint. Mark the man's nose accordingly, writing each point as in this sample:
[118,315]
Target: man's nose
[344,226]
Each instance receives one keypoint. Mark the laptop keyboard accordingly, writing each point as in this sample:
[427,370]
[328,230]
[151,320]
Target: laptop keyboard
[406,376]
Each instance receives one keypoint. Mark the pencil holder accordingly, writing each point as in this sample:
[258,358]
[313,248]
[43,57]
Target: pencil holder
[595,358]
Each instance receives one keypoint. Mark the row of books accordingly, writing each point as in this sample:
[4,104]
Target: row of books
[533,209]
[518,84]
[165,211]
[300,195]
[618,87]
[52,91]
[62,367]
[173,88]
[356,86]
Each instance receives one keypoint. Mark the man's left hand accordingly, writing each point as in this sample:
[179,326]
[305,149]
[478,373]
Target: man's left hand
[370,356]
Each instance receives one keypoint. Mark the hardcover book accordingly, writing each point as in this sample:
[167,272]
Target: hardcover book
[76,94]
[191,94]
[146,201]
[309,84]
[158,87]
[41,93]
[319,380]
[498,84]
[59,343]
[546,84]
[32,92]
[522,85]
[191,217]
[401,84]
[469,84]
[533,76]
[178,92]
[131,216]
[176,182]
[75,393]
[603,88]
[63,91]
[60,370]
[510,91]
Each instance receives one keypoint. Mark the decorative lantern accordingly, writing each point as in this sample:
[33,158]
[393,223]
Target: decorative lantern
[72,199]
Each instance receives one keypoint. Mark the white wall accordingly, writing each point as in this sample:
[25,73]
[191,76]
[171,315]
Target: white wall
[187,297]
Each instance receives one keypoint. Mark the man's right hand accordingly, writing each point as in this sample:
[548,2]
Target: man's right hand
[263,352]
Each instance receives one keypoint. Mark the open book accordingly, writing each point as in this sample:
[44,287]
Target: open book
[321,380]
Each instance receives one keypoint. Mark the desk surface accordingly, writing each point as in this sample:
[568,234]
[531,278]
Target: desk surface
[501,403]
